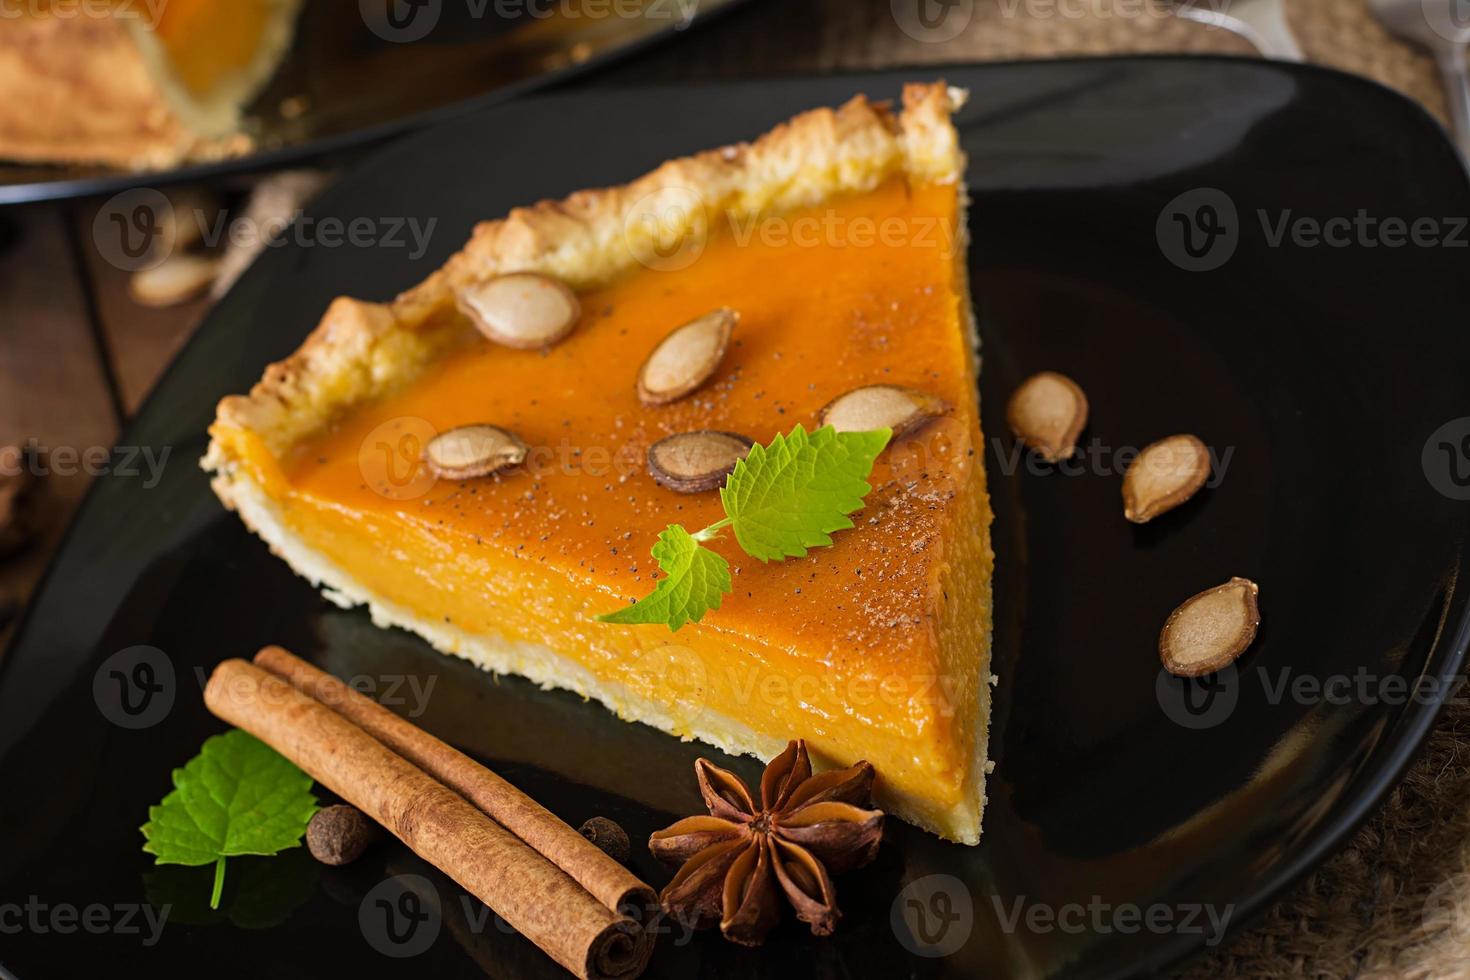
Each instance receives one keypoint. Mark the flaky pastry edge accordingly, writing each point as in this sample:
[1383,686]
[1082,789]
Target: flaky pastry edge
[362,349]
[96,90]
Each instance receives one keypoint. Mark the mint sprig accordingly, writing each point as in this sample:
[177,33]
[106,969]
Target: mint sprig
[780,501]
[791,495]
[695,580]
[237,796]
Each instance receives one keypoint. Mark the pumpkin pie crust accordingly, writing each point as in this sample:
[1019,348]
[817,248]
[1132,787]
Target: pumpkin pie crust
[839,237]
[136,84]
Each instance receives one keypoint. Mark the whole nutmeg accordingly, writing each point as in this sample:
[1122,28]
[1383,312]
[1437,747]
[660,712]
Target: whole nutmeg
[339,834]
[608,836]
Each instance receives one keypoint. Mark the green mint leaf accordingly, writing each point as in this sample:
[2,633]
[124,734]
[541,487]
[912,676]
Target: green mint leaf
[695,580]
[791,495]
[237,796]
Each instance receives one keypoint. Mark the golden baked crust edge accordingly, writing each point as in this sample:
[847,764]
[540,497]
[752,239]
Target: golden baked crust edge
[361,350]
[80,90]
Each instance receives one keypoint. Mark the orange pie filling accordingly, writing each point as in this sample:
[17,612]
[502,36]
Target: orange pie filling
[208,41]
[875,648]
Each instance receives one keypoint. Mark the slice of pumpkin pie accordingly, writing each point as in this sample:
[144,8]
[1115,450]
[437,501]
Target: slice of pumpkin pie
[472,460]
[138,84]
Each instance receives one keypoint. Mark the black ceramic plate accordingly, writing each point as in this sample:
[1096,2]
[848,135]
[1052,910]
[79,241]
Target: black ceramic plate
[360,71]
[1127,808]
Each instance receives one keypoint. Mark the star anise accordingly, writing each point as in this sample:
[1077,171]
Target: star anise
[733,862]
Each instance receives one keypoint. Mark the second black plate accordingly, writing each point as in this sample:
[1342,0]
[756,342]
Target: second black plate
[360,71]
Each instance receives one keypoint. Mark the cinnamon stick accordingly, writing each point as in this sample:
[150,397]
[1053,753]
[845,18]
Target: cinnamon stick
[609,882]
[530,893]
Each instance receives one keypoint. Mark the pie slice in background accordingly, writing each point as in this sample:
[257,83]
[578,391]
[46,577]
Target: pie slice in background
[839,238]
[138,84]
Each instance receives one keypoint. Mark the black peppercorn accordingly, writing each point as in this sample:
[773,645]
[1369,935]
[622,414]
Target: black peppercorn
[608,836]
[339,834]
